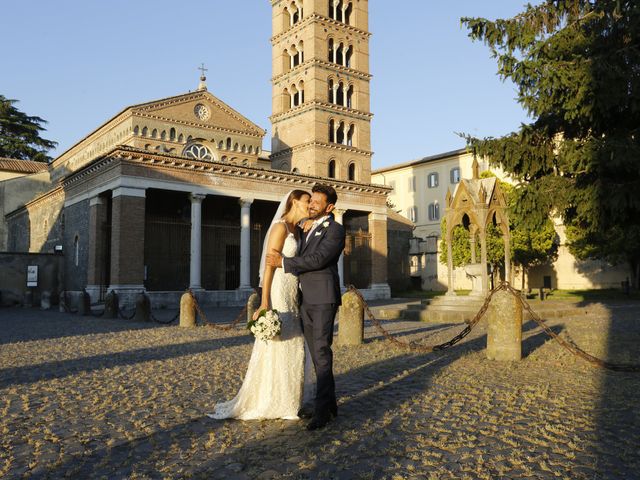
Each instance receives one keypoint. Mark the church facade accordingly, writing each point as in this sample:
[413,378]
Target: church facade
[177,193]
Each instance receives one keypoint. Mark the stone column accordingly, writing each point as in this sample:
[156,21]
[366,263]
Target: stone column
[245,244]
[378,230]
[504,333]
[127,243]
[195,269]
[483,261]
[339,214]
[96,276]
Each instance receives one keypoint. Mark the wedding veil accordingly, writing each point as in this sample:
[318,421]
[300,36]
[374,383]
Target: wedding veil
[276,219]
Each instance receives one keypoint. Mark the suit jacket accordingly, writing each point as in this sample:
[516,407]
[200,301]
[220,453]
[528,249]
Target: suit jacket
[316,264]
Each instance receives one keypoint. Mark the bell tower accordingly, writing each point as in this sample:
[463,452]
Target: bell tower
[321,123]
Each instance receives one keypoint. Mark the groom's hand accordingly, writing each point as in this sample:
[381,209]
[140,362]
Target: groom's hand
[274,260]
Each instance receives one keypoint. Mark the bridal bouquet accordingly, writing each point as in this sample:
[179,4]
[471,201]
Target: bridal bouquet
[266,326]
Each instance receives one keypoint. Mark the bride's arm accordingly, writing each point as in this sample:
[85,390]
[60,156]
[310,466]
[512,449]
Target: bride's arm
[274,245]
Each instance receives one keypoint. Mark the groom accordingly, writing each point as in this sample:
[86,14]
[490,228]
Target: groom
[316,266]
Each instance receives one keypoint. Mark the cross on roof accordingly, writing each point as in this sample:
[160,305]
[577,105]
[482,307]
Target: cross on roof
[203,70]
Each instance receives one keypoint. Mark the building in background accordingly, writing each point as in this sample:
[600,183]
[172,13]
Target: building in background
[419,192]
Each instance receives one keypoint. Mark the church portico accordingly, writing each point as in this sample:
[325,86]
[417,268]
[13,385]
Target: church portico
[190,224]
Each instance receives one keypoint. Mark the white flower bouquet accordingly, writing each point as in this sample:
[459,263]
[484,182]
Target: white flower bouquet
[267,326]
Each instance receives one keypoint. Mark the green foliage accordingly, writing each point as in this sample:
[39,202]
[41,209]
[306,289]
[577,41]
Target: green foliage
[20,134]
[576,66]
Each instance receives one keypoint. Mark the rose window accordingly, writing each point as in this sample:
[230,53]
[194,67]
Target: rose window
[198,151]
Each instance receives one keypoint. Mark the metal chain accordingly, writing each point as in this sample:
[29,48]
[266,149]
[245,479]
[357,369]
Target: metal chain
[125,317]
[208,324]
[414,346]
[618,367]
[164,322]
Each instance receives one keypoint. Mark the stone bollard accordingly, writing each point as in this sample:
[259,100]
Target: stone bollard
[27,301]
[111,305]
[253,303]
[187,311]
[143,308]
[45,300]
[84,306]
[504,334]
[351,320]
[62,305]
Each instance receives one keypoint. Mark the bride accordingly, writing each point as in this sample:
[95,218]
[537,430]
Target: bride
[273,386]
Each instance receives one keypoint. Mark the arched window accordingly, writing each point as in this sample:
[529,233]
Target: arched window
[340,54]
[347,56]
[350,97]
[197,151]
[228,143]
[340,94]
[350,133]
[331,92]
[332,131]
[172,134]
[352,171]
[348,14]
[136,130]
[145,131]
[340,133]
[332,169]
[154,133]
[181,138]
[331,51]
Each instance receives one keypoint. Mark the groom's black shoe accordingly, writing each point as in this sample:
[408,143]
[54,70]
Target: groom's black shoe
[319,420]
[305,412]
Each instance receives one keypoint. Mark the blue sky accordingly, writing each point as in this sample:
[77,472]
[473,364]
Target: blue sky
[76,63]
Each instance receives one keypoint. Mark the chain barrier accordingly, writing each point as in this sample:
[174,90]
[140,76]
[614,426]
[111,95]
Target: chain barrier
[164,322]
[574,349]
[208,324]
[123,316]
[417,347]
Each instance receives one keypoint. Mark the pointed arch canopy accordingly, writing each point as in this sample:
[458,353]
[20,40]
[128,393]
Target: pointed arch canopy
[481,202]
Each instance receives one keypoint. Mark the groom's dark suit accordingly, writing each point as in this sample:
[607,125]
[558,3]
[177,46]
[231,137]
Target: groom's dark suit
[316,266]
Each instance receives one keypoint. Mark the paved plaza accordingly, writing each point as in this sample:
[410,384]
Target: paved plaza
[84,397]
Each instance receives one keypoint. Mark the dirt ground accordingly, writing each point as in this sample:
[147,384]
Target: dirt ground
[84,397]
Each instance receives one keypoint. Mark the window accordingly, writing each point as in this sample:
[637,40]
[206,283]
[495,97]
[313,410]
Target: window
[412,214]
[434,211]
[412,184]
[433,180]
[332,169]
[76,251]
[455,175]
[197,151]
[352,171]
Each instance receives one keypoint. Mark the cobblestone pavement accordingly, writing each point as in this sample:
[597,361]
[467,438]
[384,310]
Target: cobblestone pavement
[85,397]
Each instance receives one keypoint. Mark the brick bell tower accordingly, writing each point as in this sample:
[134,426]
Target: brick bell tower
[321,123]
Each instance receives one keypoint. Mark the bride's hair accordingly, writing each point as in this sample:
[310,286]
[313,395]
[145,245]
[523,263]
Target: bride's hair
[294,195]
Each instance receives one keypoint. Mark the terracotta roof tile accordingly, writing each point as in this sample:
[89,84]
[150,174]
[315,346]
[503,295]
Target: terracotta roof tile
[22,166]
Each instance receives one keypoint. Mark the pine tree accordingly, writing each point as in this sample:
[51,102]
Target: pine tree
[576,65]
[20,134]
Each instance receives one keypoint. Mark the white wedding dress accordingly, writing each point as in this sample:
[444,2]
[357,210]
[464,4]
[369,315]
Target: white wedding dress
[274,385]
